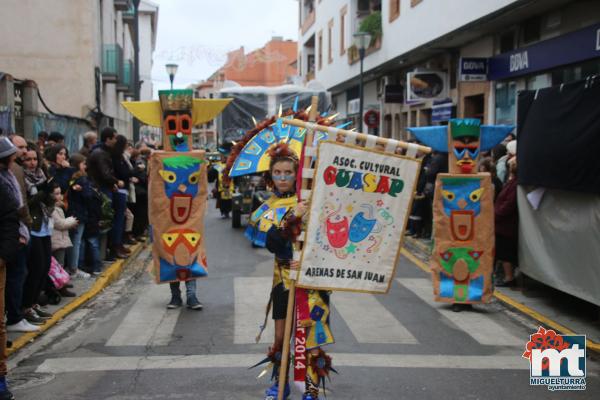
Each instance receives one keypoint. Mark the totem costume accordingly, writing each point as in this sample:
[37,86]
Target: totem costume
[177,183]
[463,211]
[273,225]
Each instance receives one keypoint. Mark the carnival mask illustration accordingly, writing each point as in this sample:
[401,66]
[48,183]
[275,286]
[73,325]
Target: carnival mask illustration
[361,227]
[461,198]
[181,175]
[337,232]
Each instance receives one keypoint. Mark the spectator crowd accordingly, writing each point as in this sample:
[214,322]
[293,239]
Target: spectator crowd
[75,212]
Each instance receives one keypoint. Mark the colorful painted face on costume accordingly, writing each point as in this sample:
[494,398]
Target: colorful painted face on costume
[464,147]
[461,197]
[461,263]
[337,232]
[181,175]
[178,130]
[177,123]
[361,227]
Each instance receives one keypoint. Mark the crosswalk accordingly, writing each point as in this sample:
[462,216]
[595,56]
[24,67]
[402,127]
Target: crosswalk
[148,323]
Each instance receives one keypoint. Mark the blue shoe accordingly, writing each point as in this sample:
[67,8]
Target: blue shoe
[271,393]
[308,396]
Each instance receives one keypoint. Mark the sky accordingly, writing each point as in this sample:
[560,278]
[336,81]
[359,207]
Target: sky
[197,34]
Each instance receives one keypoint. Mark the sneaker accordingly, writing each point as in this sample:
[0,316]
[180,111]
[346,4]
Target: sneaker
[79,274]
[96,273]
[194,304]
[308,396]
[32,317]
[41,313]
[175,302]
[22,326]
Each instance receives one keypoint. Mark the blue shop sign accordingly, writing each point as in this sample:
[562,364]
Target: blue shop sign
[441,110]
[570,48]
[473,69]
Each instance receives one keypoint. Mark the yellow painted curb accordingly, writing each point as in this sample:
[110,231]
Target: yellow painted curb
[591,345]
[110,275]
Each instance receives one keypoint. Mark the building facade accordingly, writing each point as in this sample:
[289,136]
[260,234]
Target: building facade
[430,60]
[80,56]
[272,65]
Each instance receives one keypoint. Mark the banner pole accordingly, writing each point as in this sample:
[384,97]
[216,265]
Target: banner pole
[360,136]
[289,318]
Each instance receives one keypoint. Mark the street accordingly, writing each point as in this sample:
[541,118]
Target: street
[126,345]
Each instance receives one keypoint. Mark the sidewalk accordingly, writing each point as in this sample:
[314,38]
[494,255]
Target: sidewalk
[551,308]
[85,289]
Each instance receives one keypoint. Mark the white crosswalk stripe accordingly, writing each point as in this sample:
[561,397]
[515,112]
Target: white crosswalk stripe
[437,361]
[480,327]
[369,320]
[251,297]
[148,322]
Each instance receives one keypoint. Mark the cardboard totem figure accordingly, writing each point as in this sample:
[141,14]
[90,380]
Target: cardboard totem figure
[463,211]
[177,196]
[177,183]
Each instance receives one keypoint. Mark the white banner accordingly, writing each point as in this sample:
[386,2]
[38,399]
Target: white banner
[360,203]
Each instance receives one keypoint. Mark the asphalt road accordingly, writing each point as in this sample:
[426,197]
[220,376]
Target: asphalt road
[125,345]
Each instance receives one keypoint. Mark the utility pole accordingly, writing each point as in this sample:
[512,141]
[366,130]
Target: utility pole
[136,66]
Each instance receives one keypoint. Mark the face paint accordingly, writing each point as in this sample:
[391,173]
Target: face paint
[337,232]
[361,227]
[461,198]
[181,176]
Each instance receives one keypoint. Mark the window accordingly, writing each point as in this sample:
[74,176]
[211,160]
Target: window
[531,30]
[394,9]
[507,42]
[506,95]
[414,2]
[320,50]
[330,42]
[343,14]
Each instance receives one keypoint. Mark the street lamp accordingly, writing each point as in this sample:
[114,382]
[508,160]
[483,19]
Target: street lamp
[171,70]
[361,41]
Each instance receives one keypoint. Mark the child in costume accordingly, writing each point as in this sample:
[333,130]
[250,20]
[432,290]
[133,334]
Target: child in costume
[270,226]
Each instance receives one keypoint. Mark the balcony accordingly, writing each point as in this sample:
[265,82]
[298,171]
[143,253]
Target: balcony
[122,5]
[308,22]
[112,63]
[371,24]
[354,56]
[126,82]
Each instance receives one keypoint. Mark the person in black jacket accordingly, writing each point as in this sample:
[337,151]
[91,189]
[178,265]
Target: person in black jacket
[9,241]
[100,166]
[102,174]
[123,173]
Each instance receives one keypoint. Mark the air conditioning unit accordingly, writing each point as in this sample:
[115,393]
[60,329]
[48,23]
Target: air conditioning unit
[353,106]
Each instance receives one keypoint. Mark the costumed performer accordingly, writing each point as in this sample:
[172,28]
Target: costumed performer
[277,218]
